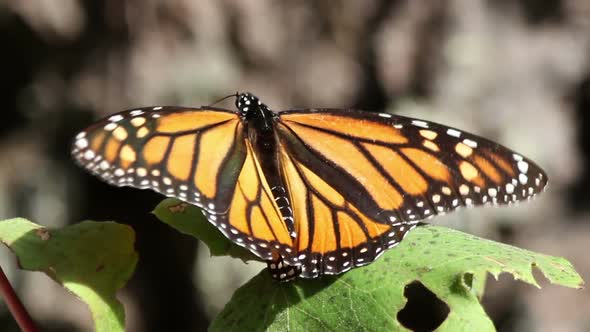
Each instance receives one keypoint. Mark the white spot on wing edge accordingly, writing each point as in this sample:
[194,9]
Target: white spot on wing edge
[89,154]
[435,198]
[420,123]
[110,126]
[523,166]
[82,143]
[492,192]
[453,132]
[509,188]
[470,143]
[104,165]
[116,118]
[141,172]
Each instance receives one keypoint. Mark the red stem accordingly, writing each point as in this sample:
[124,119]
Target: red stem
[16,308]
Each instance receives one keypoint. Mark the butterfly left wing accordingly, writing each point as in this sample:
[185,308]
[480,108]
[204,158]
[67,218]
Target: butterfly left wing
[194,154]
[199,155]
[386,172]
[253,220]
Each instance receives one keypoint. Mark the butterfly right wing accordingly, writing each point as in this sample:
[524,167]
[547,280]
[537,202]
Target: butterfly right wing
[333,235]
[359,181]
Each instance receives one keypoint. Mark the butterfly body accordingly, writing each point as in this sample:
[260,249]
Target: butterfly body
[312,192]
[261,122]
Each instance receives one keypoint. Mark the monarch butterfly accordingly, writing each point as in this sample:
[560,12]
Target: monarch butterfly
[314,191]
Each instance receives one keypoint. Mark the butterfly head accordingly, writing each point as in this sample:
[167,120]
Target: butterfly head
[248,104]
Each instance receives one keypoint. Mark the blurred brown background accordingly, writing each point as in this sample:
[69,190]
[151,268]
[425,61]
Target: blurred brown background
[517,72]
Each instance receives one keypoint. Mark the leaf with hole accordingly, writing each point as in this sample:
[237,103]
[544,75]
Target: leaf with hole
[450,264]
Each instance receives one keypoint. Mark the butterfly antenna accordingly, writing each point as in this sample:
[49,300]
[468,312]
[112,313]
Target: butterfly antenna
[224,98]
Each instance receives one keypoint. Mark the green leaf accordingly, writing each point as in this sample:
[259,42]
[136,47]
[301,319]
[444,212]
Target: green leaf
[189,220]
[91,259]
[451,264]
